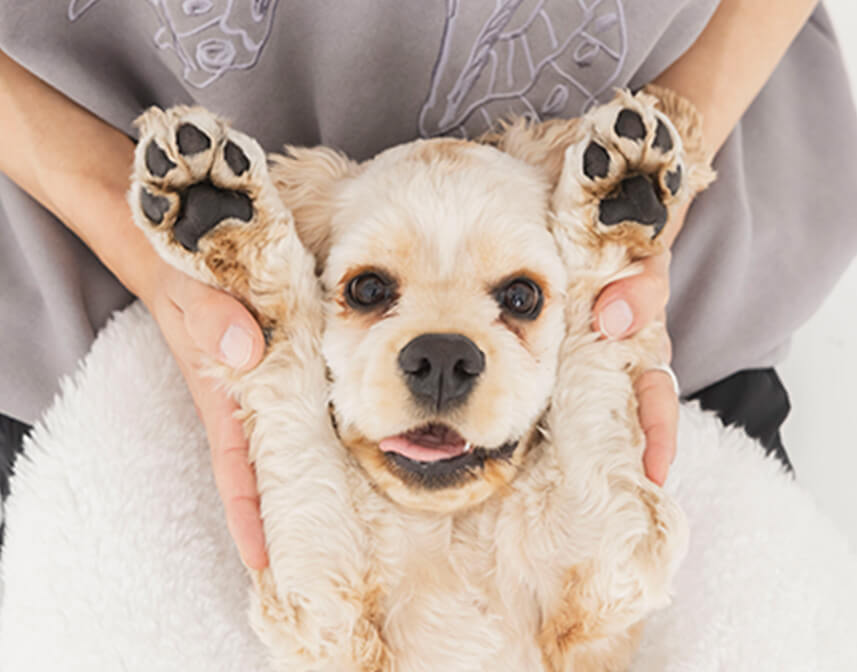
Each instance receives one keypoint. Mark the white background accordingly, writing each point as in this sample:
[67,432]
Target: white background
[821,370]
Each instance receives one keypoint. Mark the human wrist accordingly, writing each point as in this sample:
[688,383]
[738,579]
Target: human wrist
[731,60]
[101,217]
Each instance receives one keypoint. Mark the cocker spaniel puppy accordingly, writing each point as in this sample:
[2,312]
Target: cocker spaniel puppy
[448,456]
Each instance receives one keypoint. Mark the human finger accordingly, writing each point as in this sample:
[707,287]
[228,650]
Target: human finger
[658,409]
[233,474]
[629,304]
[218,324]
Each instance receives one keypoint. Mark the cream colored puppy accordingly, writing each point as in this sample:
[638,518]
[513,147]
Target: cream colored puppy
[448,457]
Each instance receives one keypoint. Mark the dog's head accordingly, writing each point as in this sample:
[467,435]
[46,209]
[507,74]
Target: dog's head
[445,317]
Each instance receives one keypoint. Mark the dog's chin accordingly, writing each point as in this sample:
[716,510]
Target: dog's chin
[433,468]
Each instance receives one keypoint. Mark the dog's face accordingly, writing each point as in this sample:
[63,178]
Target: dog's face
[445,317]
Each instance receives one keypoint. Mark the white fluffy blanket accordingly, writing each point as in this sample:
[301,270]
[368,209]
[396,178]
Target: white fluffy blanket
[117,556]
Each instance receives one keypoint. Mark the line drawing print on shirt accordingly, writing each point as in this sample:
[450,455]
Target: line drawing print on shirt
[209,37]
[76,8]
[523,33]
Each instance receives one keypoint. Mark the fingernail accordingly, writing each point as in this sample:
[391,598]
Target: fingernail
[616,319]
[236,347]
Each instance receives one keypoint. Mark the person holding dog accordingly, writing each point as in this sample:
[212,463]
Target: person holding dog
[777,113]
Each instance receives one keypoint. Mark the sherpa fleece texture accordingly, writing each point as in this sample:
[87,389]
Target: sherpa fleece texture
[118,559]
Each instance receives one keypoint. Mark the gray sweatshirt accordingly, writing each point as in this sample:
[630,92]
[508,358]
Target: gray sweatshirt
[757,254]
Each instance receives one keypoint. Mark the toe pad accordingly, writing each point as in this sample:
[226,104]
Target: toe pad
[629,124]
[191,140]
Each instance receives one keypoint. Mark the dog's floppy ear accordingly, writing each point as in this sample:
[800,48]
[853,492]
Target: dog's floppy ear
[621,170]
[307,180]
[540,144]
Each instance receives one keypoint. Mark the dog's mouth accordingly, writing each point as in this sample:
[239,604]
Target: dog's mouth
[438,455]
[430,443]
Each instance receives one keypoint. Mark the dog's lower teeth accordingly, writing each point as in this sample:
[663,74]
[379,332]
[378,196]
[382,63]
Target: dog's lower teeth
[467,447]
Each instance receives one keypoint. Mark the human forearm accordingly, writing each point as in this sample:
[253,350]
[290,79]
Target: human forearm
[77,166]
[720,74]
[730,62]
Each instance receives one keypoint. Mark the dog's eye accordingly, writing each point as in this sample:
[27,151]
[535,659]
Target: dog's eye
[522,297]
[368,290]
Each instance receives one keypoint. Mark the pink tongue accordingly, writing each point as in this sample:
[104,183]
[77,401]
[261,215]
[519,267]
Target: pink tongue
[415,451]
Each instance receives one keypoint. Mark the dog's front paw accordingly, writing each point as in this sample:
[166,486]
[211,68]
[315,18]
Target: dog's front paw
[629,171]
[202,194]
[191,174]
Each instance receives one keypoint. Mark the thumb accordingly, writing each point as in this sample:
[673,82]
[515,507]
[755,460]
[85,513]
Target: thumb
[626,306]
[220,326]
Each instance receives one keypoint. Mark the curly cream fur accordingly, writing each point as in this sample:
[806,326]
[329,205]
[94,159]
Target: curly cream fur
[549,561]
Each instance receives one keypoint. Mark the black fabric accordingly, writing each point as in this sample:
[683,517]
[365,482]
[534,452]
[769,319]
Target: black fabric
[12,435]
[754,399]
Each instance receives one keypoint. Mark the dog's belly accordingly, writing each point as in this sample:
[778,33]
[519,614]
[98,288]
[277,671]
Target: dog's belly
[457,631]
[447,605]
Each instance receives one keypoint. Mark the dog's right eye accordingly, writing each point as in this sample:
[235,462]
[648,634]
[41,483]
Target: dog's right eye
[368,290]
[522,298]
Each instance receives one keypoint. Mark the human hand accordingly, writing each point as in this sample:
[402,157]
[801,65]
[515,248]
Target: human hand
[199,321]
[78,169]
[622,309]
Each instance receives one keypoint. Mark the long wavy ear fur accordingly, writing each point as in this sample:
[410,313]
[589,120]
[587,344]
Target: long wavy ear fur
[543,144]
[307,180]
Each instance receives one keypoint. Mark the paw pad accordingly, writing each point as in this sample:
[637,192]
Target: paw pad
[663,139]
[154,207]
[204,206]
[596,161]
[190,140]
[235,158]
[636,200]
[157,161]
[673,180]
[629,124]
[632,162]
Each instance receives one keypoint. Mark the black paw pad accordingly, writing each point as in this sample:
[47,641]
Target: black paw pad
[673,180]
[236,159]
[157,161]
[191,140]
[596,161]
[204,206]
[663,140]
[630,125]
[637,200]
[154,207]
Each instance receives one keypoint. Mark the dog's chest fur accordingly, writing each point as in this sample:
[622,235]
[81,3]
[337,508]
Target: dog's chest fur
[453,577]
[475,590]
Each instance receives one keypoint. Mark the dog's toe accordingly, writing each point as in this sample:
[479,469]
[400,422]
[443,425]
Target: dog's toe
[157,161]
[629,124]
[191,140]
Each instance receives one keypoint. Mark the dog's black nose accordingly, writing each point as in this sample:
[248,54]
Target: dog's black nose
[440,369]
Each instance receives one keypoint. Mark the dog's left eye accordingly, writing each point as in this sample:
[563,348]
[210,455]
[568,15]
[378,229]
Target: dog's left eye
[368,290]
[522,297]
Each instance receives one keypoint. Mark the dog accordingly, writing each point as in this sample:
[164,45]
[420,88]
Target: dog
[448,456]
